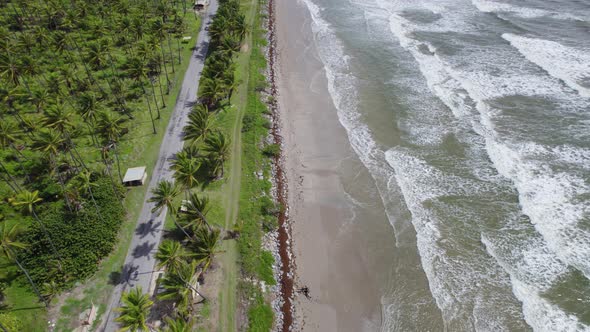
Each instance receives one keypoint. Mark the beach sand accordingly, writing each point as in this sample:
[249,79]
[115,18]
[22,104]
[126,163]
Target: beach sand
[343,298]
[361,276]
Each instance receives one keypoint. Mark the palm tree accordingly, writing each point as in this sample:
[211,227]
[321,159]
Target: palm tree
[137,70]
[83,181]
[186,171]
[212,91]
[218,147]
[9,245]
[199,124]
[28,199]
[39,97]
[50,142]
[163,196]
[58,118]
[50,290]
[178,325]
[204,246]
[9,133]
[196,208]
[10,68]
[171,255]
[110,126]
[135,310]
[180,286]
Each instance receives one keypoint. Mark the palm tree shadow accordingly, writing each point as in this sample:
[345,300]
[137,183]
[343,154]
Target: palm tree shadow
[26,308]
[143,249]
[123,276]
[191,103]
[147,228]
[202,51]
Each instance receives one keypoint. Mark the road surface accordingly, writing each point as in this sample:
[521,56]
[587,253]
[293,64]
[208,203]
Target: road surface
[139,267]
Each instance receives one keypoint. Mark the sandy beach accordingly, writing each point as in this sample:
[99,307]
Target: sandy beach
[315,147]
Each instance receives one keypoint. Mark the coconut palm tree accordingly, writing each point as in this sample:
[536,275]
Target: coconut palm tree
[137,70]
[178,325]
[134,311]
[50,142]
[218,146]
[27,200]
[171,255]
[212,91]
[186,172]
[204,246]
[180,286]
[83,181]
[196,208]
[199,124]
[9,246]
[50,290]
[59,118]
[110,126]
[163,196]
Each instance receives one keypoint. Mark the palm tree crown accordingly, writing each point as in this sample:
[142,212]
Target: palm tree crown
[135,310]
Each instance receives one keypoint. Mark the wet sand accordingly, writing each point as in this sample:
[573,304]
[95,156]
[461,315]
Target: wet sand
[328,260]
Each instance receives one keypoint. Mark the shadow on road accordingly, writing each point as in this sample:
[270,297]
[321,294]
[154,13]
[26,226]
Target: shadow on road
[147,228]
[143,250]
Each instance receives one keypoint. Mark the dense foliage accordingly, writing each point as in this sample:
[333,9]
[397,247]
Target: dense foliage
[81,238]
[78,79]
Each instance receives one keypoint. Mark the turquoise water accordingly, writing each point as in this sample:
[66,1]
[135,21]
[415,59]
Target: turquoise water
[475,115]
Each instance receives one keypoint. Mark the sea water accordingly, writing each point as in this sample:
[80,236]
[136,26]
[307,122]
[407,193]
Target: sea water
[475,115]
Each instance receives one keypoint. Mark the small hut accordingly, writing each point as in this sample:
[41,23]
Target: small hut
[135,176]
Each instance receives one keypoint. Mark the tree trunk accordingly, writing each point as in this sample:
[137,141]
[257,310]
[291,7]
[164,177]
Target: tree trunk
[161,92]
[154,95]
[177,224]
[12,181]
[55,252]
[32,283]
[165,68]
[118,163]
[149,108]
[170,51]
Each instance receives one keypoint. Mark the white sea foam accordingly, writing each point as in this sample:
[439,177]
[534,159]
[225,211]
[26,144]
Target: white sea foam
[341,86]
[539,268]
[547,197]
[572,65]
[524,12]
[344,95]
[542,194]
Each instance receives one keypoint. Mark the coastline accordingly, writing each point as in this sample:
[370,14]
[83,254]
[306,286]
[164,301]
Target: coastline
[283,238]
[328,257]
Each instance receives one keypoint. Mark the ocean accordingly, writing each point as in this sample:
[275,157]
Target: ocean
[473,119]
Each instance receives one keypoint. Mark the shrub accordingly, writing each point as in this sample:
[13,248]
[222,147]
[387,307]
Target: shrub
[10,322]
[248,122]
[82,238]
[272,150]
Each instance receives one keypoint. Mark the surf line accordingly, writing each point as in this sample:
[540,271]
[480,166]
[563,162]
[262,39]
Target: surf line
[284,231]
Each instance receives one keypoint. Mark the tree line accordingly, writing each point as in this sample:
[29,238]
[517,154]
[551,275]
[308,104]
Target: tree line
[188,252]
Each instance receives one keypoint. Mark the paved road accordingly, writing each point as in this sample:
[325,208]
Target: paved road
[139,268]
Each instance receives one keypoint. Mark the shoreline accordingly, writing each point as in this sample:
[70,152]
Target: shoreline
[330,252]
[280,183]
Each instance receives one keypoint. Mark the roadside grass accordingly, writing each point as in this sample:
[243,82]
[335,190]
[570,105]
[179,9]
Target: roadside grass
[255,262]
[141,147]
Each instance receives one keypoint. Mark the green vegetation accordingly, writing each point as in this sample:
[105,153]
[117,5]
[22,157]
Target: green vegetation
[135,310]
[191,243]
[84,87]
[257,210]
